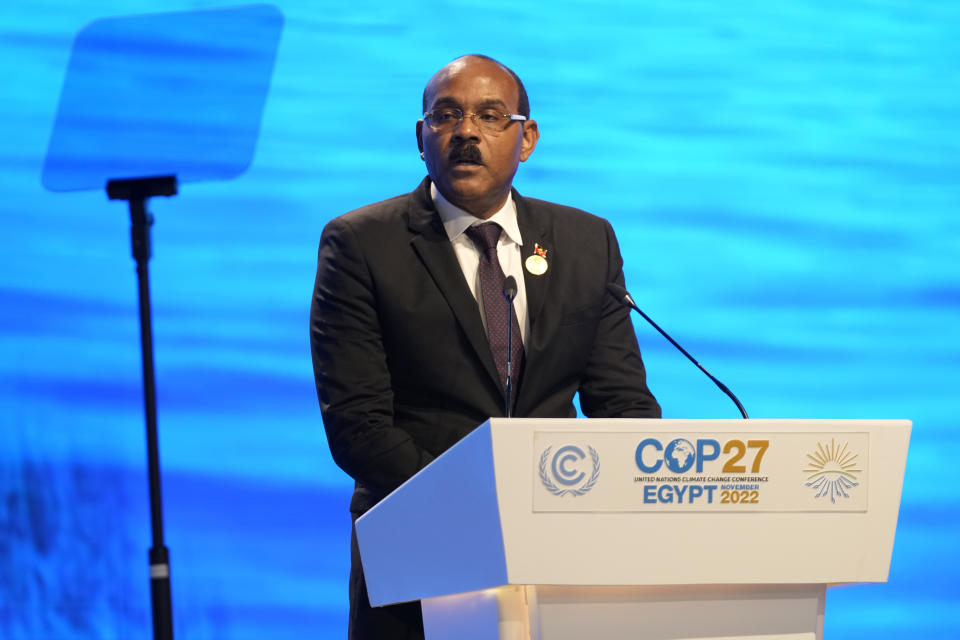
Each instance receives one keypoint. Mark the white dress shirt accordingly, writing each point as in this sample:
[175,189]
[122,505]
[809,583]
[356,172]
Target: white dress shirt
[456,221]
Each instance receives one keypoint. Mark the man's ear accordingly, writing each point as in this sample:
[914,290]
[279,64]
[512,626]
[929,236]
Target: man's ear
[420,135]
[531,133]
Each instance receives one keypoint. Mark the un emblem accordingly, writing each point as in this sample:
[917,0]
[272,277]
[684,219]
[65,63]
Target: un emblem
[566,469]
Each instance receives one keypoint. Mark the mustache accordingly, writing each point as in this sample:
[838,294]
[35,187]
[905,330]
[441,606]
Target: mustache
[465,153]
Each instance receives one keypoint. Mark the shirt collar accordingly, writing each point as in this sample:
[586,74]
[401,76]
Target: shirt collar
[456,220]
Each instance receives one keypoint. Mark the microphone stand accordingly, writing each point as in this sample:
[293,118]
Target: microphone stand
[509,292]
[624,298]
[137,191]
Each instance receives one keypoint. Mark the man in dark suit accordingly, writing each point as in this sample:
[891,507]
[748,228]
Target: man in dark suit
[409,318]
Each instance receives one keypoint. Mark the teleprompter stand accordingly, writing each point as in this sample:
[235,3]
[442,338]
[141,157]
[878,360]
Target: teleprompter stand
[130,109]
[137,191]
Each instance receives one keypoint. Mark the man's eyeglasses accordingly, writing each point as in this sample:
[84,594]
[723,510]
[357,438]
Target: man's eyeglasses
[489,120]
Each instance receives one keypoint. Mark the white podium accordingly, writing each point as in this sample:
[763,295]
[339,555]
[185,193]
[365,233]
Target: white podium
[655,529]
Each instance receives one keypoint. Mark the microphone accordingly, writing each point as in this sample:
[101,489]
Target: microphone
[624,298]
[510,289]
[509,292]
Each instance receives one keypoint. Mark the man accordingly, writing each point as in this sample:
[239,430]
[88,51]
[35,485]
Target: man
[409,320]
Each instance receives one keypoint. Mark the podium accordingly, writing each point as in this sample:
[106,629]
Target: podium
[557,529]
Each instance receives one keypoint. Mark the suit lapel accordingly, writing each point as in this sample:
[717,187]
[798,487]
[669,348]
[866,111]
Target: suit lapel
[430,241]
[536,230]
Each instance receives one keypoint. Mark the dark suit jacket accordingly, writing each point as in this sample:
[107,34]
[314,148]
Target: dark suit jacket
[403,366]
[402,363]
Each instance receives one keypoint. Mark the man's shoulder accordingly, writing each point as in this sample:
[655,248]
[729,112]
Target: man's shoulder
[564,216]
[386,216]
[385,212]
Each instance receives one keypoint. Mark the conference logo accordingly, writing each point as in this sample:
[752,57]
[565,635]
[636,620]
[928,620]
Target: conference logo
[681,455]
[833,471]
[568,471]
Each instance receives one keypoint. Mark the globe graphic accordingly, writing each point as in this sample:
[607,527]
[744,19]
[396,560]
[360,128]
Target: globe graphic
[679,455]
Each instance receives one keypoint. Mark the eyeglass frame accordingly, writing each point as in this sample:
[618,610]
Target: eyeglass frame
[511,117]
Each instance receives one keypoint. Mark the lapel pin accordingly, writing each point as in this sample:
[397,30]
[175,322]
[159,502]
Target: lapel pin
[536,263]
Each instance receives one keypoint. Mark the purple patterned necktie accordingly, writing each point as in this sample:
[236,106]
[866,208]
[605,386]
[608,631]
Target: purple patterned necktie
[495,304]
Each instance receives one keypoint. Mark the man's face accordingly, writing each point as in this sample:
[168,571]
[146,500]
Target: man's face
[473,168]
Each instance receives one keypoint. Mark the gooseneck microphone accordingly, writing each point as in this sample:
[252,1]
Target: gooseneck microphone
[509,292]
[624,298]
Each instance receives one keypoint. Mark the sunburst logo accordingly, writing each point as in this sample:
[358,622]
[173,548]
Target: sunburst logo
[833,470]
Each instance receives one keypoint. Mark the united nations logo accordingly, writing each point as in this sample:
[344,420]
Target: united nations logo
[566,468]
[832,471]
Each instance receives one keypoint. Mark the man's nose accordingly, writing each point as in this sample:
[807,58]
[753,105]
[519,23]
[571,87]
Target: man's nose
[466,128]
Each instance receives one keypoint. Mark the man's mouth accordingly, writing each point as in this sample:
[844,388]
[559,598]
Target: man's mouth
[468,154]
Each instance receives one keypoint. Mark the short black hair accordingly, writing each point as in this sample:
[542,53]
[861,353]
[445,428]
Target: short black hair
[523,103]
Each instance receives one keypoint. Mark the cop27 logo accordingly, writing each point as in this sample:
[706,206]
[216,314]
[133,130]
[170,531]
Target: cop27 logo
[566,471]
[680,455]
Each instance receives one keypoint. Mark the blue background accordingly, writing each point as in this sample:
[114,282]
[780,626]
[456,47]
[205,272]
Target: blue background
[783,178]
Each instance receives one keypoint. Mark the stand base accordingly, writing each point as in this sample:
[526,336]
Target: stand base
[700,612]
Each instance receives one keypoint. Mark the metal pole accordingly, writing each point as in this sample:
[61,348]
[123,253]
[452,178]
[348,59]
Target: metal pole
[159,555]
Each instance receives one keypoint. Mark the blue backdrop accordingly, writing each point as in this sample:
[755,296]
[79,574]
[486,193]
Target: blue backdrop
[782,177]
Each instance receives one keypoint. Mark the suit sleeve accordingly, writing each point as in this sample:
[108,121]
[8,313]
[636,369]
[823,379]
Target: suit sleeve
[614,382]
[350,367]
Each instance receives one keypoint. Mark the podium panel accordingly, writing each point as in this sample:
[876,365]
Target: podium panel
[715,612]
[738,523]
